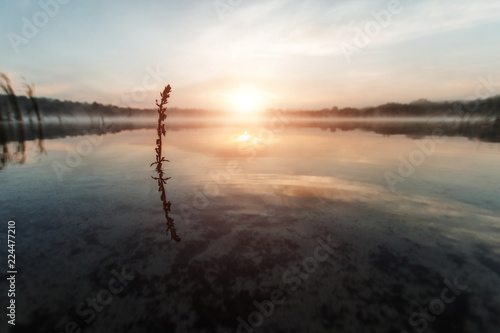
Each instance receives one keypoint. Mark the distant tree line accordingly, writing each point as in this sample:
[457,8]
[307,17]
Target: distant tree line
[49,107]
[19,108]
[420,108]
[14,107]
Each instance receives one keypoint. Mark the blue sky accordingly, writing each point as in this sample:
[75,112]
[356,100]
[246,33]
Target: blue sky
[276,53]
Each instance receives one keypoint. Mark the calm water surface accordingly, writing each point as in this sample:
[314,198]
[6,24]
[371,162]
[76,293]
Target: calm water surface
[291,230]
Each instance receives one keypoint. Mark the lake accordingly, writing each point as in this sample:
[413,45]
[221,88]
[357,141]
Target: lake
[269,226]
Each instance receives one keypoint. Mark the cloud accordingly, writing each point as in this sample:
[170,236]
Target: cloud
[276,44]
[287,28]
[431,18]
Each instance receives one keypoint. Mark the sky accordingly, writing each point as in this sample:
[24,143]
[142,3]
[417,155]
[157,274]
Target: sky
[242,54]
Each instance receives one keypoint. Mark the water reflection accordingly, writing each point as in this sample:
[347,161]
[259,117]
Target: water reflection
[481,129]
[396,248]
[13,152]
[162,181]
[40,140]
[485,130]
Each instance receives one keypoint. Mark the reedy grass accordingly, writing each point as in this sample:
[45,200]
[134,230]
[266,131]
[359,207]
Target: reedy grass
[161,179]
[7,88]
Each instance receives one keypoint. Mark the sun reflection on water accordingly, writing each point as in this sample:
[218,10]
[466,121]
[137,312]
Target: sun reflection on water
[249,138]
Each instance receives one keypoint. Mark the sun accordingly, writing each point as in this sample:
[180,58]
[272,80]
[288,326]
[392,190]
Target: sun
[246,101]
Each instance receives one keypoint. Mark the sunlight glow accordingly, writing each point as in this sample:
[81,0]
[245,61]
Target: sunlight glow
[246,101]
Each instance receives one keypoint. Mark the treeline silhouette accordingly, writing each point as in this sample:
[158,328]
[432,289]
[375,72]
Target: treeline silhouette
[489,107]
[47,107]
[61,110]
